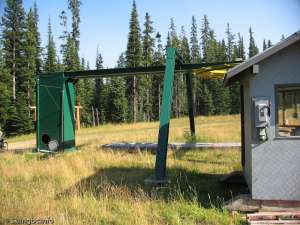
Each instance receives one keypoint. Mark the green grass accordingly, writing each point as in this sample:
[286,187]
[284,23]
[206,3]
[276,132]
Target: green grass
[97,186]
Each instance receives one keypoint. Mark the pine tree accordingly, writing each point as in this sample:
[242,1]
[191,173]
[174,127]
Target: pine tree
[5,96]
[174,42]
[117,110]
[145,81]
[205,102]
[195,58]
[264,45]
[230,43]
[206,105]
[37,37]
[239,53]
[74,6]
[173,34]
[222,52]
[50,64]
[13,26]
[239,48]
[14,46]
[100,94]
[195,48]
[157,80]
[253,50]
[269,44]
[87,97]
[31,54]
[184,51]
[133,59]
[205,38]
[65,33]
[214,51]
[71,58]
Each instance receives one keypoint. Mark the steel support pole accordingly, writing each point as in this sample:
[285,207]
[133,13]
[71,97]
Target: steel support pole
[189,86]
[163,136]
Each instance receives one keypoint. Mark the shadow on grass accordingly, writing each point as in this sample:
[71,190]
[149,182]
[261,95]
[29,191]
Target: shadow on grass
[187,185]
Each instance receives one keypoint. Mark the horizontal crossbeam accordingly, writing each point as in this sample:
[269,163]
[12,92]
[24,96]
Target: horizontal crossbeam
[151,70]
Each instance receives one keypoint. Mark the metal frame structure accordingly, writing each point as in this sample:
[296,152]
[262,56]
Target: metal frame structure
[64,87]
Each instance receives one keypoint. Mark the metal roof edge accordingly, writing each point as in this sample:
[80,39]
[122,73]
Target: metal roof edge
[265,54]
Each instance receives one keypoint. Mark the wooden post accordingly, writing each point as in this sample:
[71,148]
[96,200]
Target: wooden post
[97,116]
[33,108]
[93,112]
[78,107]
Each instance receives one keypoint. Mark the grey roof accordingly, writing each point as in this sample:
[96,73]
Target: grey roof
[235,71]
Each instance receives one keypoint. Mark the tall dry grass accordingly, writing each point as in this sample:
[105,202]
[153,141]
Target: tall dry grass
[96,186]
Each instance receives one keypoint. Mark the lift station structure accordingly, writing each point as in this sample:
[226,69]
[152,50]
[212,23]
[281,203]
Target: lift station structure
[56,102]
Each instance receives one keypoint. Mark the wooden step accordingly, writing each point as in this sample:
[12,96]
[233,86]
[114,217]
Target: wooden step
[274,218]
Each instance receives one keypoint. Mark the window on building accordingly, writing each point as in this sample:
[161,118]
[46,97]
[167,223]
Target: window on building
[288,111]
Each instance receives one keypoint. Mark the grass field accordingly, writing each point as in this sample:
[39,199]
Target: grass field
[97,186]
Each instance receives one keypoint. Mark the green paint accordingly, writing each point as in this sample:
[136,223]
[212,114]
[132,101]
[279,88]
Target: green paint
[68,114]
[161,153]
[55,111]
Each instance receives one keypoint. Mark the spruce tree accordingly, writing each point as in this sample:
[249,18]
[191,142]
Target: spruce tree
[239,49]
[195,58]
[14,46]
[133,59]
[5,96]
[118,106]
[195,48]
[253,50]
[264,45]
[206,105]
[230,43]
[74,6]
[87,97]
[239,53]
[13,36]
[222,52]
[269,44]
[205,38]
[184,51]
[145,81]
[205,102]
[157,80]
[37,37]
[50,64]
[65,33]
[31,53]
[100,94]
[174,42]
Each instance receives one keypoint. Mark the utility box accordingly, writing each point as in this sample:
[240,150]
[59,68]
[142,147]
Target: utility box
[55,113]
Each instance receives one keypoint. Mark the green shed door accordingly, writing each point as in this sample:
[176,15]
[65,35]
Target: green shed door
[49,99]
[68,114]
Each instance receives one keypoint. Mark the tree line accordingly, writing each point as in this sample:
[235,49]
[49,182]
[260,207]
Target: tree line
[131,99]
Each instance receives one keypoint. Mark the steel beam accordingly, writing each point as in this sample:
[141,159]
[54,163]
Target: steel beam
[189,86]
[151,70]
[163,136]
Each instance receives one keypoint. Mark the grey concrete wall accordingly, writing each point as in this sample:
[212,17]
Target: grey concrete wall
[275,169]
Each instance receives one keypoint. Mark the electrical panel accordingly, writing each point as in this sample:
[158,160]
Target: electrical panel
[262,113]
